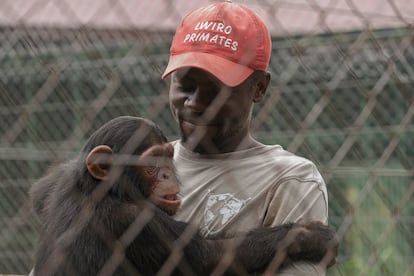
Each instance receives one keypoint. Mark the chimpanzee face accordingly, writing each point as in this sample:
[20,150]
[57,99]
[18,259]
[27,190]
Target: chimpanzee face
[158,181]
[160,172]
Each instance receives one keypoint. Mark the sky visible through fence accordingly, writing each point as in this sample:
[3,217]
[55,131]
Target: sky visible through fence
[341,95]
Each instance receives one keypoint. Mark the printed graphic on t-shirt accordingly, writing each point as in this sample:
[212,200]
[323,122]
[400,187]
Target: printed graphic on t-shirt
[220,209]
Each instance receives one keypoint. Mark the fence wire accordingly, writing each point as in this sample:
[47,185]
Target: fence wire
[342,98]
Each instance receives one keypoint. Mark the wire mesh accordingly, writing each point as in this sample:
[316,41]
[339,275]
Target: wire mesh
[339,96]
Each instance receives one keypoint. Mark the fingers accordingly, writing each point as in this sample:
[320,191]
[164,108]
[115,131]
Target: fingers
[332,251]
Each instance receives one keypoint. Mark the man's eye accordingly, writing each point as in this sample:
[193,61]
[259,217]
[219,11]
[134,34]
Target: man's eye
[186,87]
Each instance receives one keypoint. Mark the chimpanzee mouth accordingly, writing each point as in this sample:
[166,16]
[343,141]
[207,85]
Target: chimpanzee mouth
[169,203]
[171,197]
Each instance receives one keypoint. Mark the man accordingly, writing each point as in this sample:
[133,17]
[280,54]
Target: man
[232,182]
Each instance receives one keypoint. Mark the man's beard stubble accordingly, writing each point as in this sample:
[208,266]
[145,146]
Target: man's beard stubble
[200,141]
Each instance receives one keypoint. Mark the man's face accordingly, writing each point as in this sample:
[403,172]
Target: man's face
[212,117]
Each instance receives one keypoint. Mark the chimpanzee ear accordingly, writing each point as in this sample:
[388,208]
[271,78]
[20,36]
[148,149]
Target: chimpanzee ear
[97,162]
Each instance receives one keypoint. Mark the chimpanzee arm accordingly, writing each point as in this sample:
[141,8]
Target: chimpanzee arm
[293,242]
[173,247]
[181,247]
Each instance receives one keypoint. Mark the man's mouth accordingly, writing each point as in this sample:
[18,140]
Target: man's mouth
[197,122]
[196,119]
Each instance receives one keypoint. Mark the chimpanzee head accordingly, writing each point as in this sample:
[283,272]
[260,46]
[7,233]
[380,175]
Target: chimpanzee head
[133,156]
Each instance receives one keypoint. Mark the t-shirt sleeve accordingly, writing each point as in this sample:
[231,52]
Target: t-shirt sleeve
[298,200]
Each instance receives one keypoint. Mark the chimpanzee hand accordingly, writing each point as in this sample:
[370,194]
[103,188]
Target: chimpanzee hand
[314,242]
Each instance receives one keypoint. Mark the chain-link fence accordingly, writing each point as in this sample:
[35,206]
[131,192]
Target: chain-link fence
[342,98]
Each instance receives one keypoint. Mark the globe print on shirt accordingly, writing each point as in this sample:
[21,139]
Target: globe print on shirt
[220,209]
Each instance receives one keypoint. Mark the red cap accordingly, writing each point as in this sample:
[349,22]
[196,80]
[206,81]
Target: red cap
[225,39]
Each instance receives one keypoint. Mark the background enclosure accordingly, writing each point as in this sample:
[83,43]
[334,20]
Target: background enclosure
[341,95]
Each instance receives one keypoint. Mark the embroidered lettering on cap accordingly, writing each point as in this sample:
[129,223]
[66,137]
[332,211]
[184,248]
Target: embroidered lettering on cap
[216,27]
[213,26]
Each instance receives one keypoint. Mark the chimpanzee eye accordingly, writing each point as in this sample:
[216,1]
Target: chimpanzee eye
[165,174]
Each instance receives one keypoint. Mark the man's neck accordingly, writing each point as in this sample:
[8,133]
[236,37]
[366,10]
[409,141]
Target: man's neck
[211,148]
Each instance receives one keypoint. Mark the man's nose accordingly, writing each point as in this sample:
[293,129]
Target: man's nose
[199,100]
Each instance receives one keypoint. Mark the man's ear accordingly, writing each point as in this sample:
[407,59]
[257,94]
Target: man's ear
[97,162]
[262,82]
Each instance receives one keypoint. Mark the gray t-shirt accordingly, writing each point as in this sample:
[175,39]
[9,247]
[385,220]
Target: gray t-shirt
[225,194]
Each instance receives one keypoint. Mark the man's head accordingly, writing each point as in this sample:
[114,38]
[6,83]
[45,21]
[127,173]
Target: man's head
[218,62]
[226,39]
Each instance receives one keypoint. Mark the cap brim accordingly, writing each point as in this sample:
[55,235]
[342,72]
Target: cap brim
[230,73]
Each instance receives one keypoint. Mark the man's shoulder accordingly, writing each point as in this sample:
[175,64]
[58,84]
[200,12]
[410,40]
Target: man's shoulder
[270,160]
[286,164]
[276,154]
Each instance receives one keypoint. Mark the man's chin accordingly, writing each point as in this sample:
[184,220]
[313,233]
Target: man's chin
[190,130]
[196,135]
